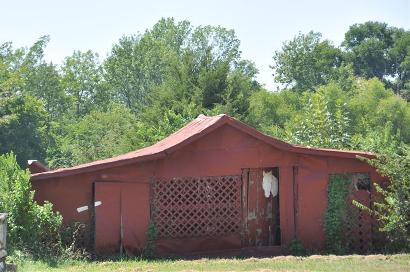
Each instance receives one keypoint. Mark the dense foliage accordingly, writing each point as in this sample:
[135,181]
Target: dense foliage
[352,96]
[32,228]
[337,221]
[153,83]
[392,210]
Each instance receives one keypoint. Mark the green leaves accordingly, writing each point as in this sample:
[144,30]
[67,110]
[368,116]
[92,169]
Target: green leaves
[306,62]
[81,80]
[325,120]
[195,63]
[371,49]
[32,228]
[392,210]
[22,123]
[336,217]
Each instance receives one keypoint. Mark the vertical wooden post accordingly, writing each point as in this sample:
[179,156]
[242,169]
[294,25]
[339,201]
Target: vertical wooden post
[121,227]
[244,201]
[92,224]
[286,205]
[295,200]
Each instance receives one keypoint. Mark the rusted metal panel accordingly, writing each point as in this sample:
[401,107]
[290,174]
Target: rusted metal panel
[197,206]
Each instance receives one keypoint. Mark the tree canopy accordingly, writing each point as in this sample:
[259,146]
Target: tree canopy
[351,96]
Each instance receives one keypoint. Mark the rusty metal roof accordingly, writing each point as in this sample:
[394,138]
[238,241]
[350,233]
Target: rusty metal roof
[197,128]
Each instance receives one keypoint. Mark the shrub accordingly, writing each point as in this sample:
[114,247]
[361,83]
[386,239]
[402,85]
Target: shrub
[149,250]
[296,248]
[33,228]
[336,216]
[76,242]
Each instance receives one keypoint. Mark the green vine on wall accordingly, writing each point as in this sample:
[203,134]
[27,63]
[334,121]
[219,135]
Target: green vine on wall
[149,250]
[337,214]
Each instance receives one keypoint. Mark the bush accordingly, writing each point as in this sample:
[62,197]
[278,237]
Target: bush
[32,228]
[76,241]
[336,216]
[296,248]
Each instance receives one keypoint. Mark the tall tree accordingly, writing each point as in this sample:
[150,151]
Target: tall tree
[82,80]
[324,121]
[367,46]
[191,64]
[306,62]
[399,56]
[22,125]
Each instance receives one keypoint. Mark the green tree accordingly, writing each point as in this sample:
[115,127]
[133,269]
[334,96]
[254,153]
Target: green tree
[97,135]
[367,46]
[178,61]
[82,81]
[24,71]
[372,106]
[270,111]
[306,62]
[324,121]
[22,125]
[399,56]
[378,50]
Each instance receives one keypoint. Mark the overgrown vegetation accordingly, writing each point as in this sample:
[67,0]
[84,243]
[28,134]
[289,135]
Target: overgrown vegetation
[149,250]
[296,248]
[34,230]
[392,209]
[336,219]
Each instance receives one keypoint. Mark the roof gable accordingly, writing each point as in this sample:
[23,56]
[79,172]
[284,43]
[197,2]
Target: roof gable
[186,135]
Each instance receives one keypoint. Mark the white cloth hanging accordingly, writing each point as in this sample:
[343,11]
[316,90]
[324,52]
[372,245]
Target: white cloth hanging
[269,184]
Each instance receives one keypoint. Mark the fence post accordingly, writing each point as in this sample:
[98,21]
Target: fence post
[3,236]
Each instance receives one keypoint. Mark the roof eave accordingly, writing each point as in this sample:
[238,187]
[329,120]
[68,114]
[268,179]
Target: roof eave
[92,168]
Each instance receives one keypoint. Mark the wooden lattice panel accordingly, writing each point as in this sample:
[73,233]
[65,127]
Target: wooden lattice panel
[360,231]
[357,224]
[197,206]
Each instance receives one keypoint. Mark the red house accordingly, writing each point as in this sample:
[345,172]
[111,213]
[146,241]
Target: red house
[214,186]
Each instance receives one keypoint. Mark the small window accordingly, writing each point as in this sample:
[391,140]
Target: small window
[361,181]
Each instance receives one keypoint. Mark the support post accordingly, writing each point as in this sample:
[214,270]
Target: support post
[286,205]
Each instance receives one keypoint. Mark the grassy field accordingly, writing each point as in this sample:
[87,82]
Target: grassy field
[284,263]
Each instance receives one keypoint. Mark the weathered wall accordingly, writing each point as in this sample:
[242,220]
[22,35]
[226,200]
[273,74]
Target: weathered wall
[312,181]
[225,151]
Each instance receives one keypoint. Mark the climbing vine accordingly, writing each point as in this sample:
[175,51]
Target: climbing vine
[337,214]
[149,250]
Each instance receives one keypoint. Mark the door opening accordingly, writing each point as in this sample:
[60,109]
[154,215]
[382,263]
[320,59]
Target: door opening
[262,225]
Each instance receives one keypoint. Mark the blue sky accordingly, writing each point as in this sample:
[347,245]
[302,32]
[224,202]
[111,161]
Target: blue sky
[261,26]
